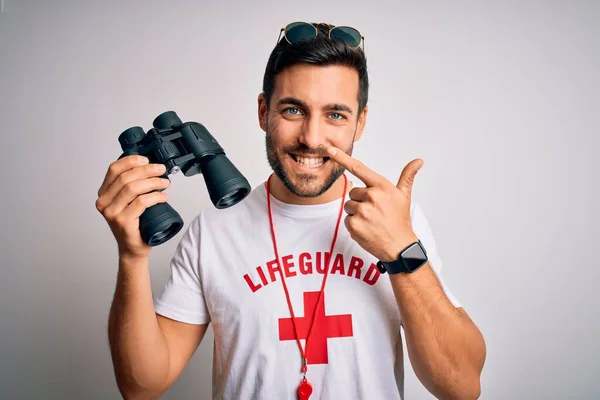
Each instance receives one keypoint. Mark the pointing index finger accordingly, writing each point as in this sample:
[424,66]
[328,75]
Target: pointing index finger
[355,167]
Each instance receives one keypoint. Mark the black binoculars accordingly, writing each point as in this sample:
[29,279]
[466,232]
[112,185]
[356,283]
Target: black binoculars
[190,148]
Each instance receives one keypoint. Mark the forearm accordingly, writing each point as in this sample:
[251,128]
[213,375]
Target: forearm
[138,347]
[445,348]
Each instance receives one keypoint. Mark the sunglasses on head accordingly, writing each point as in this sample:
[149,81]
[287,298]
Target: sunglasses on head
[297,31]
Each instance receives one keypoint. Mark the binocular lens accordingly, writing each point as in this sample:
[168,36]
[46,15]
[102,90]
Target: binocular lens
[232,198]
[226,185]
[164,235]
[159,223]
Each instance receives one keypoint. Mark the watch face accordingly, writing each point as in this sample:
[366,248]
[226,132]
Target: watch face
[414,257]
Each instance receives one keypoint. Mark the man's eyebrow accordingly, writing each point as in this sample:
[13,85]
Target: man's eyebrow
[338,107]
[331,107]
[292,100]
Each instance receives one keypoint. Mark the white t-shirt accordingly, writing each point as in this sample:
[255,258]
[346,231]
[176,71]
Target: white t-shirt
[224,272]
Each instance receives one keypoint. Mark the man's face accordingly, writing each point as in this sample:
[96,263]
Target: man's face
[312,107]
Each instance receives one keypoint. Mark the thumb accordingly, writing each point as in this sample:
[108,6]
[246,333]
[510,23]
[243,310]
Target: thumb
[407,177]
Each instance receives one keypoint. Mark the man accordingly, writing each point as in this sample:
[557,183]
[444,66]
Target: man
[305,255]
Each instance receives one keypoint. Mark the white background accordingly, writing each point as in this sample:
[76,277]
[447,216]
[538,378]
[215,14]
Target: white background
[500,99]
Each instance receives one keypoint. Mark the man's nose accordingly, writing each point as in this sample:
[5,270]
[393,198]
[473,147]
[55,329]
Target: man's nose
[313,133]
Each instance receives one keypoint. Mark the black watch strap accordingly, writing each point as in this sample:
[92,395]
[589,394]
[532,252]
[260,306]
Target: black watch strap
[409,260]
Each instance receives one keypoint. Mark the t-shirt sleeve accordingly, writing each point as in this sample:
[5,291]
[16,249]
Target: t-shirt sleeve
[424,233]
[182,298]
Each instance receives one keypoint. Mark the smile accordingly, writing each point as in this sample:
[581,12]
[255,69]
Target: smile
[309,162]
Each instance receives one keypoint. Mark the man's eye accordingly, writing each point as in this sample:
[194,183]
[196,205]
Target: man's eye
[292,111]
[337,116]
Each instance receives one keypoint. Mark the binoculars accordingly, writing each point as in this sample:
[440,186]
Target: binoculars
[186,147]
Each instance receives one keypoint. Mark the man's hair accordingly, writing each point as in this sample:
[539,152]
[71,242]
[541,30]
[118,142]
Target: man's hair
[320,51]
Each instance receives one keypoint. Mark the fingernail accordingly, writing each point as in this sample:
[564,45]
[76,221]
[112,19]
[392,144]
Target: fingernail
[142,160]
[332,151]
[159,167]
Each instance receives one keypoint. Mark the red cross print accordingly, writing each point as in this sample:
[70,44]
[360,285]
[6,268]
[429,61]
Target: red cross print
[326,326]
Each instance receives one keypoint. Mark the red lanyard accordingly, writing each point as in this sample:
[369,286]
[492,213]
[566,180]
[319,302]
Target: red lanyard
[304,390]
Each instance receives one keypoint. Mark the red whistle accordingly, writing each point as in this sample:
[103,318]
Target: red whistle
[304,390]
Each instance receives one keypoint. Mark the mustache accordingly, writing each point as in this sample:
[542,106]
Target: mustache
[319,151]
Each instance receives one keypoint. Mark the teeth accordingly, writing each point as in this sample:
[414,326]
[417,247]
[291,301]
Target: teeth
[309,162]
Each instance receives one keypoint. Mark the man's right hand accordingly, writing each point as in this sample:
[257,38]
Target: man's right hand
[130,186]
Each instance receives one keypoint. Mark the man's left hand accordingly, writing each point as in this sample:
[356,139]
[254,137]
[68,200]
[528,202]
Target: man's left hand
[379,214]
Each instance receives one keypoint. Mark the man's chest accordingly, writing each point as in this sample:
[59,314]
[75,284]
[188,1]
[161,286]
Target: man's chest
[256,296]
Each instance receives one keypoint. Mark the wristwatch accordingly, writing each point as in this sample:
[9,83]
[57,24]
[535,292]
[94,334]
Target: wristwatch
[410,259]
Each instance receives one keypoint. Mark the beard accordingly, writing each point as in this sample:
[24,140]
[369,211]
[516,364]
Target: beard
[304,185]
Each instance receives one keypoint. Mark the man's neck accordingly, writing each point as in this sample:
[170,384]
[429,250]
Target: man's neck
[283,194]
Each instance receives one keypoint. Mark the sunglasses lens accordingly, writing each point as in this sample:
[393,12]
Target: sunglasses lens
[347,34]
[299,30]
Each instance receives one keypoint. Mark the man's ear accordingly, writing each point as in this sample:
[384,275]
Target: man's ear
[360,124]
[262,111]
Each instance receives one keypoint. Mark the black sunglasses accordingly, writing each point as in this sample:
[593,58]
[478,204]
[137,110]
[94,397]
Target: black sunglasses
[297,31]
